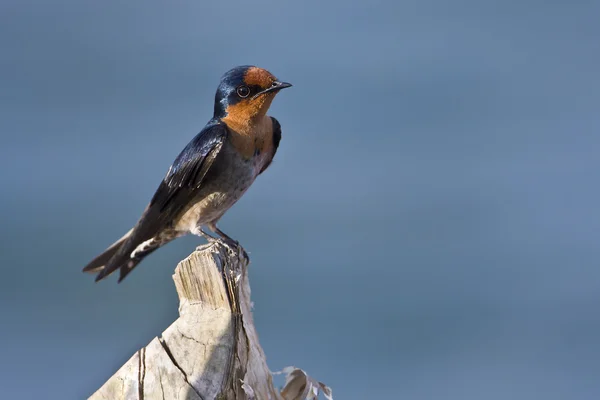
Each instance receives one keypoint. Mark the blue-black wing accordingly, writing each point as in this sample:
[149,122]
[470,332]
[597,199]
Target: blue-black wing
[173,194]
[190,167]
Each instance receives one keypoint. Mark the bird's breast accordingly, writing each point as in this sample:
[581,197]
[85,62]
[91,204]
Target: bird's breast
[224,184]
[254,142]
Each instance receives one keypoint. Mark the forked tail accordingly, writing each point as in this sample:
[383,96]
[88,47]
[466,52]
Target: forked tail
[98,263]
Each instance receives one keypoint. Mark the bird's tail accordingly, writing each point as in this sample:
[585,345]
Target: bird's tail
[124,255]
[98,264]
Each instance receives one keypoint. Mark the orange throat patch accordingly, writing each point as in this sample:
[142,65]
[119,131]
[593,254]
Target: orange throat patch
[251,138]
[241,116]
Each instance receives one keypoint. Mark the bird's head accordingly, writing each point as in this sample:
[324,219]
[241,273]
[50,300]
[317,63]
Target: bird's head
[246,93]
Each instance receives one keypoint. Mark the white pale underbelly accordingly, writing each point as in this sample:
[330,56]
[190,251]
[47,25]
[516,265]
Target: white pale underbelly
[208,209]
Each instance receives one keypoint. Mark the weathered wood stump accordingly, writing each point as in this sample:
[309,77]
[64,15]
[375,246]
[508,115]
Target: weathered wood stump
[211,351]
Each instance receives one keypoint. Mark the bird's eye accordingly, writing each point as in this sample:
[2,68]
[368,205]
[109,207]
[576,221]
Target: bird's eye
[243,91]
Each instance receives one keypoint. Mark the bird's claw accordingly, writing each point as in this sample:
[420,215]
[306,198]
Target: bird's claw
[235,247]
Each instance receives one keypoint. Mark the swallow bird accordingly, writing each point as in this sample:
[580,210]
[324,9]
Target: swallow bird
[209,176]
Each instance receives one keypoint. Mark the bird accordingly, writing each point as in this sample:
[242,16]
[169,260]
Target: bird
[210,174]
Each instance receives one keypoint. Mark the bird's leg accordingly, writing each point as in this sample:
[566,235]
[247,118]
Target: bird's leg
[198,231]
[227,240]
[225,237]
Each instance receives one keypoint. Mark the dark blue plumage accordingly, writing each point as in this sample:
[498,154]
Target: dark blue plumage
[191,164]
[226,95]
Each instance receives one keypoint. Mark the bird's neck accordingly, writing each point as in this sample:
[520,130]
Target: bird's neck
[245,116]
[245,124]
[241,124]
[248,135]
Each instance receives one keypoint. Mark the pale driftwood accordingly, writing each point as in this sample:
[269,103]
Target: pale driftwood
[211,351]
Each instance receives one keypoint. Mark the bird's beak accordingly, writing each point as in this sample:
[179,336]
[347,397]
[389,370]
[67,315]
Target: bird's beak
[277,86]
[280,85]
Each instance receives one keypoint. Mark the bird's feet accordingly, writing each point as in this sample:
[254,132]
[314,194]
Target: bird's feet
[232,244]
[223,240]
[209,238]
[235,247]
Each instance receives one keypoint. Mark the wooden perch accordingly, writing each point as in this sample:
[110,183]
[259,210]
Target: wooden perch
[211,351]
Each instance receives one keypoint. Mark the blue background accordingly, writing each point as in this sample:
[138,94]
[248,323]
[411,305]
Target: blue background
[428,230]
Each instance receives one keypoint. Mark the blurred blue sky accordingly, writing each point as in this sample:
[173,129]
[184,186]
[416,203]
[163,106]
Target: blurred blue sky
[428,230]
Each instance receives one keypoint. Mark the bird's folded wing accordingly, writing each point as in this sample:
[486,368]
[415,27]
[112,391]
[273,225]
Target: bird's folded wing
[190,167]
